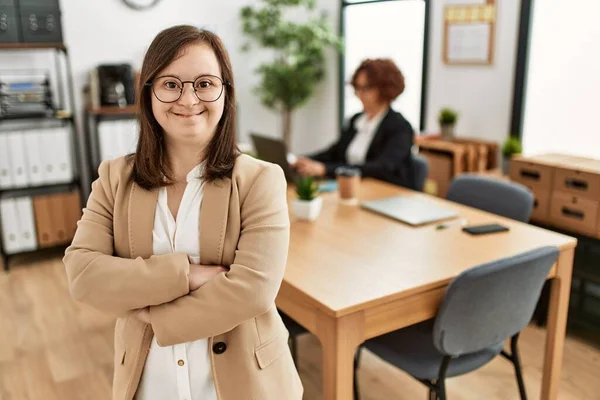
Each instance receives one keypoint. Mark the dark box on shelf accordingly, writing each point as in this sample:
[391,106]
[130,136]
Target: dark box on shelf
[9,28]
[40,24]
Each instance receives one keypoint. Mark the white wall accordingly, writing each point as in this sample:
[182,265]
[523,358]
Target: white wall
[481,94]
[561,103]
[108,31]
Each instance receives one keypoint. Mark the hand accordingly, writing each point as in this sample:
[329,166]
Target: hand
[200,274]
[308,167]
[143,314]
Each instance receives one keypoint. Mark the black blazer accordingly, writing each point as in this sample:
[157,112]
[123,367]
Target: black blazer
[389,155]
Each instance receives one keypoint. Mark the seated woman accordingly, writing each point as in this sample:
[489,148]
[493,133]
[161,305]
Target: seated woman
[378,140]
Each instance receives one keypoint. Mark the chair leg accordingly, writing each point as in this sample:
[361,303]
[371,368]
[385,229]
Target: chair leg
[441,381]
[517,363]
[433,394]
[356,365]
[442,386]
[293,343]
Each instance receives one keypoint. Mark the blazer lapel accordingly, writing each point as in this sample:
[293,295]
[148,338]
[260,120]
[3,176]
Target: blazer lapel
[141,210]
[213,221]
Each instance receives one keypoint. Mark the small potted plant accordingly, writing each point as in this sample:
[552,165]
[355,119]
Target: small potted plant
[308,204]
[447,119]
[511,146]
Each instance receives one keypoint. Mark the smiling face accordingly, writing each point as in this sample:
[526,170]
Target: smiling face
[189,120]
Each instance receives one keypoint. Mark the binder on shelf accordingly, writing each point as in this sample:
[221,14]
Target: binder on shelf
[5,170]
[10,226]
[62,155]
[117,138]
[47,159]
[35,156]
[26,224]
[106,140]
[58,217]
[43,221]
[73,212]
[18,166]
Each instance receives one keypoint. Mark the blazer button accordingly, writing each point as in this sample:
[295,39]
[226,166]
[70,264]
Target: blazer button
[219,348]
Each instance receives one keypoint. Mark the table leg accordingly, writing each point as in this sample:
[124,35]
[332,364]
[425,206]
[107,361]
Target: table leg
[340,338]
[560,290]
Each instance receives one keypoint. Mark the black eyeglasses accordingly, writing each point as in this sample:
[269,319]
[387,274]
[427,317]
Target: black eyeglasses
[168,89]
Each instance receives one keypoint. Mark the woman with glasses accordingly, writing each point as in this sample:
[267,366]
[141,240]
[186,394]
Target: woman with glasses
[185,241]
[378,140]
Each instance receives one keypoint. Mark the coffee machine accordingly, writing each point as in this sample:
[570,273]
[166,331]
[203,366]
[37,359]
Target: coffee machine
[116,84]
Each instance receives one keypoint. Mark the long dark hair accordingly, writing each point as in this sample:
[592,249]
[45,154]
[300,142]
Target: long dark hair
[151,167]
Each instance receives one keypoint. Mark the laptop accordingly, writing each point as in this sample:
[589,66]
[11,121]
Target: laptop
[410,210]
[274,151]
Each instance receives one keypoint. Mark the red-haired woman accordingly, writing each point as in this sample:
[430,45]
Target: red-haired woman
[378,140]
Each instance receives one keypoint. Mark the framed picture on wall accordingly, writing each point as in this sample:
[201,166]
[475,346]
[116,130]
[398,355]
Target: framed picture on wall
[469,33]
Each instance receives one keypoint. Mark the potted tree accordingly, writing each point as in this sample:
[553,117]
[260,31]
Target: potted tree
[447,119]
[298,49]
[308,204]
[512,145]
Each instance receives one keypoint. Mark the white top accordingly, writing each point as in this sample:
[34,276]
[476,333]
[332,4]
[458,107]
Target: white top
[356,154]
[182,371]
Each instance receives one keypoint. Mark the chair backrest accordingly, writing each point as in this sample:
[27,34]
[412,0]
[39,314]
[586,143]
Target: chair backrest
[488,304]
[421,170]
[507,199]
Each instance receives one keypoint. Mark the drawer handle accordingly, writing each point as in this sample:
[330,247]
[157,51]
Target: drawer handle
[535,203]
[576,184]
[572,213]
[530,174]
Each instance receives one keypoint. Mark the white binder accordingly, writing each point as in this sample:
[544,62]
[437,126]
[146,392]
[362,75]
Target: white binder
[47,159]
[106,139]
[27,238]
[5,170]
[35,156]
[10,226]
[18,166]
[62,157]
[130,136]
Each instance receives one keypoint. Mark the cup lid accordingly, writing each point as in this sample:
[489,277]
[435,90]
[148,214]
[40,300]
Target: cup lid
[347,171]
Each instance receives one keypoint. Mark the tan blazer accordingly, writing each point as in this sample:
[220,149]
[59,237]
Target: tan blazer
[244,225]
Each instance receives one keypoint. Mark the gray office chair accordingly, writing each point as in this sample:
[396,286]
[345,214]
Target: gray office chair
[295,330]
[482,308]
[421,170]
[507,199]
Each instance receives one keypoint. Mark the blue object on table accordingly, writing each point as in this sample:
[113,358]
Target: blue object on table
[328,186]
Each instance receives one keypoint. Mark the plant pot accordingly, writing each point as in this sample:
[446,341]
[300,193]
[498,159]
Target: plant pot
[506,164]
[447,131]
[308,210]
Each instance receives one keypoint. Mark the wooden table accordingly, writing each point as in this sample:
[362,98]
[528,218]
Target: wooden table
[353,275]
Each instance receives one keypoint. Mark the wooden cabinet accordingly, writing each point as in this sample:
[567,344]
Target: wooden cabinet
[56,217]
[566,188]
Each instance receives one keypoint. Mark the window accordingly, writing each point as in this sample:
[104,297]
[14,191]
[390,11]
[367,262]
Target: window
[561,96]
[386,29]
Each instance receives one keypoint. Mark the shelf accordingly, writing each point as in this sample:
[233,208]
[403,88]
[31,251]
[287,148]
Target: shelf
[22,117]
[39,190]
[113,110]
[32,46]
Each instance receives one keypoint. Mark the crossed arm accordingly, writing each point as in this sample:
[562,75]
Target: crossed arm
[160,285]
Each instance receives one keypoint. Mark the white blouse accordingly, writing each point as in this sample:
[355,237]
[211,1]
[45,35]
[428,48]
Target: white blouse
[356,154]
[182,371]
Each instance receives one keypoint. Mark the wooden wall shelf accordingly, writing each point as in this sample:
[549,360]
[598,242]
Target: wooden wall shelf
[32,46]
[112,110]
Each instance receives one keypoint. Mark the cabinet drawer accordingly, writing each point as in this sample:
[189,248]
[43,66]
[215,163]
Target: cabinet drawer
[574,213]
[535,176]
[541,205]
[579,183]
